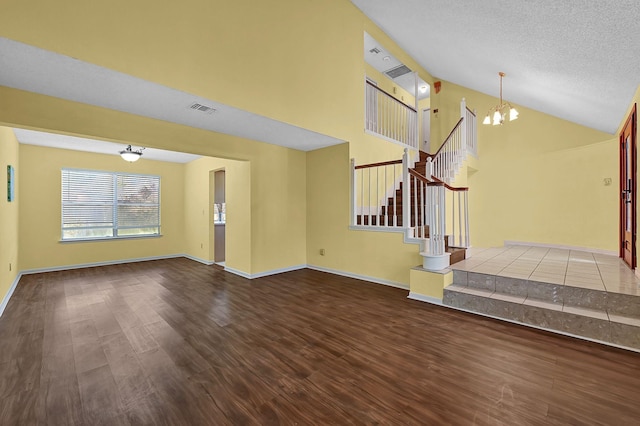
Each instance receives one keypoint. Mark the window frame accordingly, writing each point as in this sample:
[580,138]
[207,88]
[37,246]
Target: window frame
[114,207]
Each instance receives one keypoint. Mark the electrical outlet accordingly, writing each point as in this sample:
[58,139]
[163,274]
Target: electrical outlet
[321,252]
[607,181]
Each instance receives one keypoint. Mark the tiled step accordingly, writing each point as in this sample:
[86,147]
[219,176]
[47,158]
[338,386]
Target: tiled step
[598,315]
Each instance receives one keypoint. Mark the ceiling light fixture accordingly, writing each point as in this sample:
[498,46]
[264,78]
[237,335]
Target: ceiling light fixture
[130,155]
[423,89]
[499,112]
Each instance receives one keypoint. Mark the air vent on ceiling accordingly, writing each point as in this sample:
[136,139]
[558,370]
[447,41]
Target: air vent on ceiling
[398,71]
[202,108]
[375,50]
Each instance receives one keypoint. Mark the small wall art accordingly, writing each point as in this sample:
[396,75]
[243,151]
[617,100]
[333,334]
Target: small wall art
[11,183]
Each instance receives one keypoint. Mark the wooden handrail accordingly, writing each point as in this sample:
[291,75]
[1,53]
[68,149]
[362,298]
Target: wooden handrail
[470,112]
[391,96]
[385,163]
[447,138]
[436,182]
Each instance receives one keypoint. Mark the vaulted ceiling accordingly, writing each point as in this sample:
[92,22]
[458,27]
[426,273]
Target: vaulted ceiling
[574,59]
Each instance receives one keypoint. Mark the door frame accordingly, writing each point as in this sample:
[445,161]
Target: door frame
[632,120]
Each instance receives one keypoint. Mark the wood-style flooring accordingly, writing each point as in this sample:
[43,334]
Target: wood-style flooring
[174,342]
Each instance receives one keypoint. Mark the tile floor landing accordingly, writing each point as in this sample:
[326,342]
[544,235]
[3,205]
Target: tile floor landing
[595,296]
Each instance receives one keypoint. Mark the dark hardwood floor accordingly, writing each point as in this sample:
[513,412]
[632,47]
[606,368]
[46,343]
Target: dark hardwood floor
[174,342]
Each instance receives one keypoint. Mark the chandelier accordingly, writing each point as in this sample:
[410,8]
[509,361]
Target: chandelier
[499,112]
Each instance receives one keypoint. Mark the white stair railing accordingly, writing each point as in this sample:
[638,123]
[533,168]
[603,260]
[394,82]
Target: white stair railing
[389,117]
[470,128]
[452,153]
[375,202]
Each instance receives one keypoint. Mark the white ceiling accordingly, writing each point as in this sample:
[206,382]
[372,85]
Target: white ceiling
[36,70]
[575,59]
[31,137]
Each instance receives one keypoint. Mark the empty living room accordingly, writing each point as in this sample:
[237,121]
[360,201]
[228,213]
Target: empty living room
[336,212]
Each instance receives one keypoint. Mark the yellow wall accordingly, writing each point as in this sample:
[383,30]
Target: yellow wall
[373,254]
[539,178]
[40,187]
[8,212]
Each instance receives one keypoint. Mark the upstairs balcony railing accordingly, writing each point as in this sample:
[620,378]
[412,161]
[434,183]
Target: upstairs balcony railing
[389,117]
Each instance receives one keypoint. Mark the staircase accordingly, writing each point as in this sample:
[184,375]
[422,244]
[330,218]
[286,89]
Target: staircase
[414,196]
[392,212]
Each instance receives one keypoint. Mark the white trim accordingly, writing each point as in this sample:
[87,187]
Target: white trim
[422,298]
[396,229]
[550,330]
[197,259]
[5,301]
[106,263]
[237,272]
[561,246]
[360,277]
[265,273]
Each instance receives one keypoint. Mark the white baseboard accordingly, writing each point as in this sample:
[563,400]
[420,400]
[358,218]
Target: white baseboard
[94,264]
[7,296]
[265,273]
[360,277]
[197,259]
[560,246]
[423,298]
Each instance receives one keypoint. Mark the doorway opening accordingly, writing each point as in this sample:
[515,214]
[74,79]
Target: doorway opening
[219,217]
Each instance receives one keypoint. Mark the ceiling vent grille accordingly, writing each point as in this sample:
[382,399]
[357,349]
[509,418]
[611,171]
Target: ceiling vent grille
[202,108]
[398,71]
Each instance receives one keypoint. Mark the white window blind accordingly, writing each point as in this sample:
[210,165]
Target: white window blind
[97,205]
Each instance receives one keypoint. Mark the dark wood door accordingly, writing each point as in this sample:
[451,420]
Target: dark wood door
[628,190]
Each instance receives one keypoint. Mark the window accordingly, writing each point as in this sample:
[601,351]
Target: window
[219,212]
[99,205]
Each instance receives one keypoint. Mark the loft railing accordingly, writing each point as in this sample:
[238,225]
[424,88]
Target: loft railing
[389,117]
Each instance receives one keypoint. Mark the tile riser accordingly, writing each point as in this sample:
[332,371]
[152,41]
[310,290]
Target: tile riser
[554,320]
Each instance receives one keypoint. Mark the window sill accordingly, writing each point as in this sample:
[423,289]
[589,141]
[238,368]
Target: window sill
[91,240]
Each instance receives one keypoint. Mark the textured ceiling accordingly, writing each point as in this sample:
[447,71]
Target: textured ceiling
[575,59]
[37,70]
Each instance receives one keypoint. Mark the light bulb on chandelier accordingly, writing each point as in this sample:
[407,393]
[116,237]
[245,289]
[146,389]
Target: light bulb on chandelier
[499,112]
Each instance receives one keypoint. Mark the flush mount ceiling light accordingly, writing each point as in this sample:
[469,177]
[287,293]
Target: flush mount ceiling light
[423,89]
[130,155]
[499,112]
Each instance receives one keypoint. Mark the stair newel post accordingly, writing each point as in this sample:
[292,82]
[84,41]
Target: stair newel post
[466,219]
[406,188]
[353,192]
[416,128]
[443,223]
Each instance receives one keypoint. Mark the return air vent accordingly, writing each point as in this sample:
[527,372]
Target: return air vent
[398,71]
[202,108]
